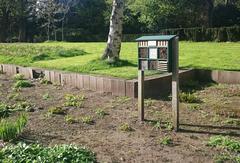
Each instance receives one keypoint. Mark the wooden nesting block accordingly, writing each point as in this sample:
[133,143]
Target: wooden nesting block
[100,85]
[86,82]
[143,52]
[93,83]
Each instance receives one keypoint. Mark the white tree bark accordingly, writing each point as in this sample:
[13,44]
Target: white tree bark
[115,32]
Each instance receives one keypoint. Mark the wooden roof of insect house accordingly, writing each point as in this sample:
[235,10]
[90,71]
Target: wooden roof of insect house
[156,38]
[155,52]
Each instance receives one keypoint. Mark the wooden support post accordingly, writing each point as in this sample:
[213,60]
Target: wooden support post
[175,84]
[141,94]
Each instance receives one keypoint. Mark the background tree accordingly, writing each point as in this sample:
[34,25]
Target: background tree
[115,32]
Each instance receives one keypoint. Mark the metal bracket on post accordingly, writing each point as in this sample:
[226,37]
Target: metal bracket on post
[175,84]
[141,95]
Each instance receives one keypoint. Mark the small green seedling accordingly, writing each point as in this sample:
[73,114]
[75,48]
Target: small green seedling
[45,81]
[46,96]
[125,127]
[166,140]
[23,106]
[69,119]
[5,110]
[87,120]
[56,110]
[14,96]
[193,107]
[188,98]
[100,113]
[75,101]
[168,126]
[18,77]
[149,102]
[225,142]
[157,125]
[22,84]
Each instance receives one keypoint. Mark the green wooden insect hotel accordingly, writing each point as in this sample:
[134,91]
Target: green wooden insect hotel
[156,52]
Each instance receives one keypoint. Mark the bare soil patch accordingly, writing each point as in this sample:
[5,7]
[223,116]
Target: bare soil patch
[217,113]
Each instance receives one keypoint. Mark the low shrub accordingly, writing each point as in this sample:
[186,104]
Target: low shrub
[18,77]
[38,154]
[125,127]
[75,101]
[5,110]
[225,142]
[100,113]
[88,120]
[9,130]
[22,84]
[69,119]
[45,81]
[188,98]
[166,140]
[56,110]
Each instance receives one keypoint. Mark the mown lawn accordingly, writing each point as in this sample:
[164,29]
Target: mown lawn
[84,57]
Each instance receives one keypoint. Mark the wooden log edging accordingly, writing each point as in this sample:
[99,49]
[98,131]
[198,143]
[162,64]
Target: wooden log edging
[154,85]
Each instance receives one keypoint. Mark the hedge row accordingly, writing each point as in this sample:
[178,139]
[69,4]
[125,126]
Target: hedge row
[188,34]
[198,34]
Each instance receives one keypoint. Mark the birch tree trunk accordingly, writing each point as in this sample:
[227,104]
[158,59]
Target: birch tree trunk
[115,33]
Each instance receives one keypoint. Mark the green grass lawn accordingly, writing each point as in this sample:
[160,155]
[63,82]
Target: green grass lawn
[84,57]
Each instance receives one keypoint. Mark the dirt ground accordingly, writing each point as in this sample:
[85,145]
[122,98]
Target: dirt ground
[218,112]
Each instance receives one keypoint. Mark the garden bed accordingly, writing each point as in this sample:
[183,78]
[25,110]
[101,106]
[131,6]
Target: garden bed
[108,125]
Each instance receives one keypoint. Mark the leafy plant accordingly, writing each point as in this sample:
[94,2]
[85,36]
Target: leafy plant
[69,119]
[9,130]
[100,112]
[125,127]
[168,126]
[188,98]
[22,84]
[23,106]
[149,102]
[166,140]
[157,125]
[75,101]
[14,96]
[37,153]
[18,77]
[225,142]
[87,120]
[56,110]
[46,96]
[5,110]
[45,81]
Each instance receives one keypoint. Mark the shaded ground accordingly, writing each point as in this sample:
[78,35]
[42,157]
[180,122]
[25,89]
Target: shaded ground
[220,106]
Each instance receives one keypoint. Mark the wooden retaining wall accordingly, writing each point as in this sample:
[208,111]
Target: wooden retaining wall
[157,85]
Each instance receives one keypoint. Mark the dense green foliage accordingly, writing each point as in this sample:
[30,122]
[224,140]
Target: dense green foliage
[36,153]
[88,20]
[9,130]
[225,142]
[198,34]
[192,55]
